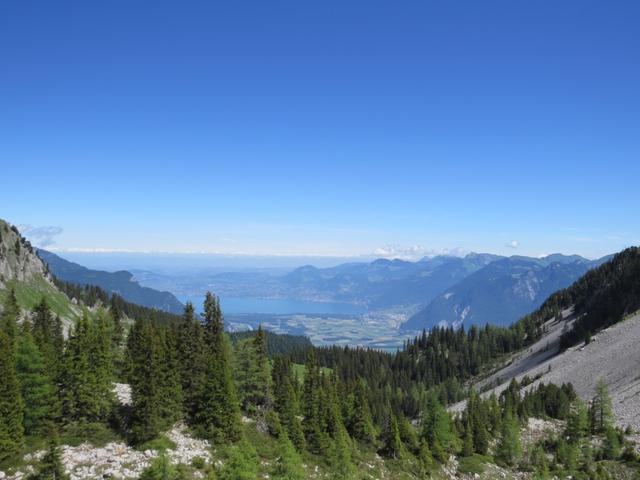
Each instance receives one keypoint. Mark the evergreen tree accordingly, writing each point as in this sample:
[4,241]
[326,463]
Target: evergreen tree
[241,463]
[437,429]
[425,460]
[170,382]
[288,465]
[567,454]
[539,463]
[116,319]
[253,373]
[362,428]
[509,449]
[160,469]
[102,364]
[601,410]
[467,447]
[311,405]
[10,314]
[611,447]
[192,354]
[262,383]
[578,422]
[339,457]
[217,414]
[36,387]
[51,467]
[11,429]
[392,447]
[87,378]
[145,378]
[286,403]
[47,333]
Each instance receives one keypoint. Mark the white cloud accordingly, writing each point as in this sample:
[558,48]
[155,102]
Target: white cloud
[40,236]
[415,252]
[513,244]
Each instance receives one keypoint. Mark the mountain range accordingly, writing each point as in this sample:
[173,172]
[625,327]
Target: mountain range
[443,290]
[121,283]
[502,292]
[476,289]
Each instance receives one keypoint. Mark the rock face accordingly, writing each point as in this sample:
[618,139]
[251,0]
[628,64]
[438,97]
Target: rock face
[612,356]
[18,260]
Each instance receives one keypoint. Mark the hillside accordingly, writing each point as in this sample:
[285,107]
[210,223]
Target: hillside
[170,397]
[121,283]
[22,270]
[501,292]
[612,356]
[593,336]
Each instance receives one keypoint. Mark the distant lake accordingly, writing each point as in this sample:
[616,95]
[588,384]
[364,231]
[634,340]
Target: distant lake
[275,306]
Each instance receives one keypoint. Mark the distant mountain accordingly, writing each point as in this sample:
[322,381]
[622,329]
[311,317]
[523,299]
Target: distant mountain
[383,283]
[502,291]
[121,283]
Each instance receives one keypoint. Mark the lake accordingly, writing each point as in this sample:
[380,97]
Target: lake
[276,306]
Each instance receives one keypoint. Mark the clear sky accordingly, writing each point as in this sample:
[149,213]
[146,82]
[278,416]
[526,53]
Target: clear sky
[330,127]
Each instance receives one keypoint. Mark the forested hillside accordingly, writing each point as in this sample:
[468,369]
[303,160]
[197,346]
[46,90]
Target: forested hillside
[150,395]
[119,283]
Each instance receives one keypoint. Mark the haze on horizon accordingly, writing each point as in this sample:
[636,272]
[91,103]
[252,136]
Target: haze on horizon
[357,130]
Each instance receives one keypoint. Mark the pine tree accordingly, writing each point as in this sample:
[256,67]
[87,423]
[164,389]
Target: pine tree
[51,467]
[539,462]
[252,373]
[408,434]
[11,429]
[36,387]
[392,447]
[217,414]
[362,428]
[170,383]
[160,469]
[241,463]
[288,465]
[602,412]
[509,449]
[611,448]
[116,318]
[578,422]
[102,363]
[340,459]
[311,406]
[192,354]
[145,378]
[330,413]
[285,402]
[437,429]
[263,370]
[47,333]
[10,314]
[87,389]
[467,447]
[425,460]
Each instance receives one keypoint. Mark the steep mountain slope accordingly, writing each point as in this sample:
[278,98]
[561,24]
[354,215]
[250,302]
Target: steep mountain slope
[501,292]
[22,270]
[121,283]
[593,336]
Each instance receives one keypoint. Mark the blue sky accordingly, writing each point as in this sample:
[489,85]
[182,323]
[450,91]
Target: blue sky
[322,128]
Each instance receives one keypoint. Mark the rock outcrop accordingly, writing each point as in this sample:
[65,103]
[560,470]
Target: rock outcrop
[18,260]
